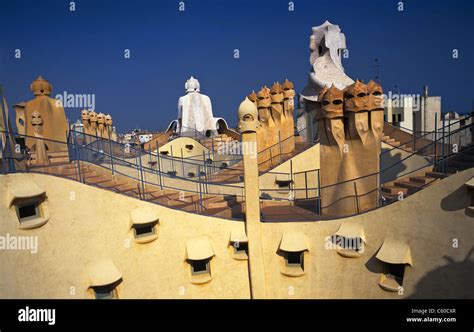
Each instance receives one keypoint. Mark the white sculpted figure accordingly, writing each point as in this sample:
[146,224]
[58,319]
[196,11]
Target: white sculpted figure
[195,113]
[326,44]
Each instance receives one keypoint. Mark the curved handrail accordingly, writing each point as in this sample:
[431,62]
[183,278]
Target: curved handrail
[188,162]
[439,160]
[80,154]
[426,134]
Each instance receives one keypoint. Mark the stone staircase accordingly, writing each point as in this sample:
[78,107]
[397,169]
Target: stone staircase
[410,184]
[393,142]
[423,145]
[210,205]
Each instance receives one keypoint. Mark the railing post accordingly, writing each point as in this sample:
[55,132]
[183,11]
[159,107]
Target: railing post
[320,210]
[139,191]
[380,179]
[356,197]
[470,128]
[436,140]
[200,189]
[414,133]
[182,163]
[442,151]
[172,159]
[292,187]
[97,141]
[110,151]
[77,158]
[211,167]
[306,182]
[158,161]
[449,138]
[414,142]
[459,136]
[214,169]
[271,158]
[279,145]
[149,156]
[9,148]
[205,169]
[207,179]
[138,168]
[14,150]
[141,170]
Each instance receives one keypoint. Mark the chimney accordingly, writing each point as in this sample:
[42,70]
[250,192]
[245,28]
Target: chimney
[425,91]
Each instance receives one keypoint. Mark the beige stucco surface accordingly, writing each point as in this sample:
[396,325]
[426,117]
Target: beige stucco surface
[87,223]
[184,144]
[429,222]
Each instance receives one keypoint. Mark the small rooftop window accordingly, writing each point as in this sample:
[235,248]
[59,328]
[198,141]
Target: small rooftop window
[200,266]
[293,247]
[395,256]
[239,243]
[349,240]
[104,279]
[294,259]
[283,180]
[29,202]
[107,292]
[199,253]
[144,223]
[28,211]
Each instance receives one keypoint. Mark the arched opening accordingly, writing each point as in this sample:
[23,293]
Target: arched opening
[221,126]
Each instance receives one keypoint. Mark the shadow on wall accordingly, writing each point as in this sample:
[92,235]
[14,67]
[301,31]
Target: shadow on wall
[457,200]
[387,160]
[374,265]
[454,278]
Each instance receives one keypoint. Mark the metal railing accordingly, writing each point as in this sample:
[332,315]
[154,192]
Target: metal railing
[419,140]
[160,166]
[295,193]
[170,163]
[80,151]
[155,170]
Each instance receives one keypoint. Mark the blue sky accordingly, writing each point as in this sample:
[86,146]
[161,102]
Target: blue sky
[82,51]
